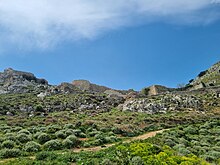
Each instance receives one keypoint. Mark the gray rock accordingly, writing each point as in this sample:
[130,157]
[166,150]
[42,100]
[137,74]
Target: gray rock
[9,114]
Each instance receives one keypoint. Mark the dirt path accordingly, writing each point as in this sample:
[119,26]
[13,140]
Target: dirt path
[98,148]
[141,137]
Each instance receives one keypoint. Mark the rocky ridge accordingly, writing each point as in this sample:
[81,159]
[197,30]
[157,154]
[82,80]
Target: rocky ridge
[23,92]
[12,81]
[208,78]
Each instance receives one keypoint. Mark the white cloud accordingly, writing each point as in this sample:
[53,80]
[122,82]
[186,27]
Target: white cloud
[45,23]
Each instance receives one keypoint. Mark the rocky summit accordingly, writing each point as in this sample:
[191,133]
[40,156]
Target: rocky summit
[12,81]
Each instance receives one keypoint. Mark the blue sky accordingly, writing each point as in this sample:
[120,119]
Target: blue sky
[113,43]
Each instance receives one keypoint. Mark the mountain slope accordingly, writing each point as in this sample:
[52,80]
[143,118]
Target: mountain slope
[208,78]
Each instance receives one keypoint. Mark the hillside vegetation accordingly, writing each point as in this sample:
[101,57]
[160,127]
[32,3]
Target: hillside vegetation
[84,123]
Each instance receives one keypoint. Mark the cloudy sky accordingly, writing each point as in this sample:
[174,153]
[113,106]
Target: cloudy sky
[119,43]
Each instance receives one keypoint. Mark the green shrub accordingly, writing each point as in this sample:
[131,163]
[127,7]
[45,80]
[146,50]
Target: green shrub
[218,143]
[184,151]
[69,126]
[203,131]
[52,145]
[23,138]
[60,134]
[191,130]
[24,131]
[92,134]
[112,139]
[106,162]
[99,136]
[74,140]
[39,108]
[86,144]
[208,158]
[82,135]
[16,129]
[8,144]
[69,132]
[216,148]
[137,161]
[77,132]
[37,134]
[68,143]
[96,142]
[41,129]
[10,136]
[32,147]
[170,142]
[53,128]
[43,138]
[214,154]
[45,155]
[9,153]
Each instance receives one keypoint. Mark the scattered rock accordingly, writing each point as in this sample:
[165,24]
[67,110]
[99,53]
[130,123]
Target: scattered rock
[9,114]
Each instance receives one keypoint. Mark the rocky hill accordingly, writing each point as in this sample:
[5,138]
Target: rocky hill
[38,120]
[27,92]
[207,78]
[159,99]
[85,85]
[12,81]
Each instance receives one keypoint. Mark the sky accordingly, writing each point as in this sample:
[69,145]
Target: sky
[122,44]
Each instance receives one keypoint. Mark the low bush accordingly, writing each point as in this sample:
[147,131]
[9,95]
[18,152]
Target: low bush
[137,160]
[52,145]
[74,140]
[10,136]
[53,128]
[9,153]
[68,143]
[45,155]
[69,126]
[24,131]
[43,138]
[32,147]
[60,134]
[77,132]
[23,138]
[8,144]
[69,132]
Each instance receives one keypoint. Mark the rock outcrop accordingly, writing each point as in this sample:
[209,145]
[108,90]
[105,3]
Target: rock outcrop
[208,78]
[12,81]
[85,85]
[169,102]
[156,89]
